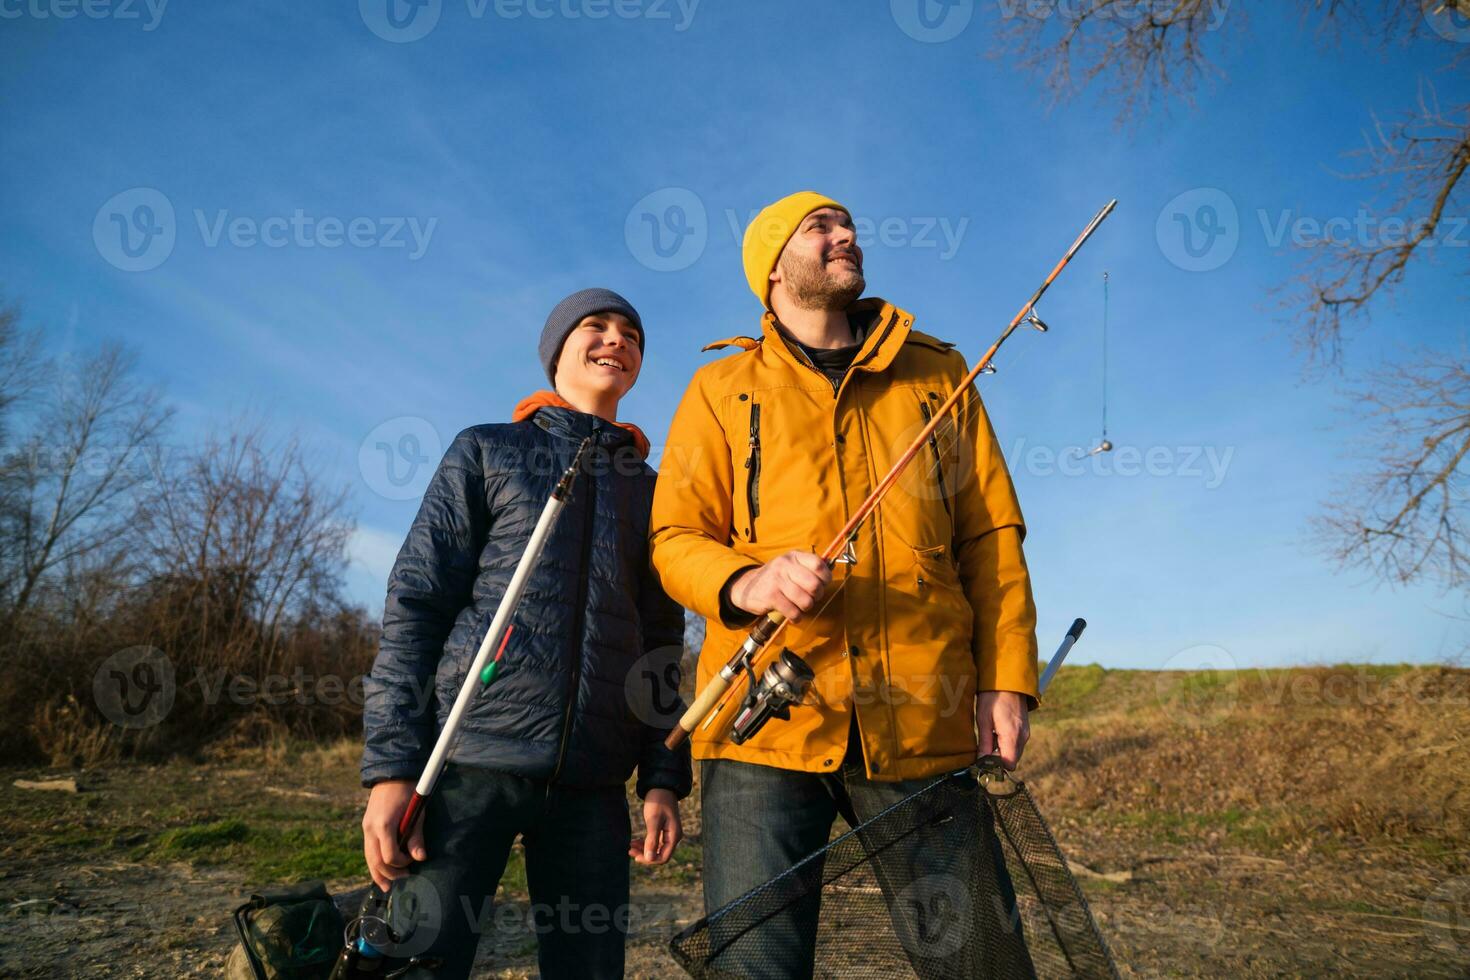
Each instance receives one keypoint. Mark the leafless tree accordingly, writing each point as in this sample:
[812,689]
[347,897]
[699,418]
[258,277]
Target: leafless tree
[1408,518]
[69,483]
[245,538]
[1405,520]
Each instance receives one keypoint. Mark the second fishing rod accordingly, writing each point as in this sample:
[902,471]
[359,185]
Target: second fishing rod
[786,675]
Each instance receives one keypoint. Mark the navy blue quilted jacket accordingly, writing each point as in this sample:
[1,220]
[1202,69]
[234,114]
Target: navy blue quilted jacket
[577,698]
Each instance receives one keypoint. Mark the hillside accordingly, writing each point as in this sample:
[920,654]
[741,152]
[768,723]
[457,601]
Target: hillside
[1291,822]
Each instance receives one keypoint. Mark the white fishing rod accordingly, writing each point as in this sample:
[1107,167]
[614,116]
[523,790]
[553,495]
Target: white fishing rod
[492,647]
[1073,635]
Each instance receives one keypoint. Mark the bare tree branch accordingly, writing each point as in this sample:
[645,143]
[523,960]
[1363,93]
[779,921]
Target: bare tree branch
[1140,52]
[68,482]
[1423,160]
[1407,519]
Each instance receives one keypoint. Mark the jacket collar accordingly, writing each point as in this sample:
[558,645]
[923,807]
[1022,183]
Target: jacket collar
[890,329]
[567,423]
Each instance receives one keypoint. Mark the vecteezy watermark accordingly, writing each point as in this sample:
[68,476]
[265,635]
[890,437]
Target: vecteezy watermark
[1450,19]
[565,917]
[652,686]
[932,21]
[667,230]
[302,230]
[934,915]
[147,12]
[941,233]
[1199,230]
[53,460]
[403,21]
[400,21]
[398,457]
[134,688]
[1447,916]
[136,230]
[1126,12]
[415,916]
[1362,230]
[1208,687]
[1208,464]
[297,688]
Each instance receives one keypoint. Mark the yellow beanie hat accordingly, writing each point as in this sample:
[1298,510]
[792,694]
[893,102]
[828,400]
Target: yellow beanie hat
[769,233]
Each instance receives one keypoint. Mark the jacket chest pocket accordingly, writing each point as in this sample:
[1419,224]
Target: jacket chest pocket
[940,457]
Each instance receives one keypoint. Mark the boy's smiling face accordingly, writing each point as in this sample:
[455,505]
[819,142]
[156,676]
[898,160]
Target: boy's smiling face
[600,357]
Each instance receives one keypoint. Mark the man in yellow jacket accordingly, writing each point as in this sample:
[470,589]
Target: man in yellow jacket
[925,653]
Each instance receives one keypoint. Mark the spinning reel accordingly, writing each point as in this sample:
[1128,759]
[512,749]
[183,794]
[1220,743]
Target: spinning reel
[784,684]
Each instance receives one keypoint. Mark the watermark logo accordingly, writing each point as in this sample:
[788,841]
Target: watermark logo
[134,688]
[1363,230]
[933,915]
[135,230]
[1197,684]
[667,231]
[403,21]
[149,12]
[1199,230]
[1128,13]
[1207,464]
[397,458]
[1447,916]
[932,21]
[413,919]
[400,21]
[1450,19]
[302,230]
[652,687]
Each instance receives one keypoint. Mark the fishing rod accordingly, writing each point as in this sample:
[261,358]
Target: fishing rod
[770,625]
[372,930]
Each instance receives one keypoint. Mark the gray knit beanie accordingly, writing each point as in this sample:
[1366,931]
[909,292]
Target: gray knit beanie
[570,312]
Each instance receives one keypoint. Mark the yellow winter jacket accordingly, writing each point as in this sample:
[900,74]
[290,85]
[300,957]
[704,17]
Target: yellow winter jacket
[763,457]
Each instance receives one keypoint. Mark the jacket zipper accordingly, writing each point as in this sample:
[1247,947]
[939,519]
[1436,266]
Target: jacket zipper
[938,463]
[580,618]
[753,469]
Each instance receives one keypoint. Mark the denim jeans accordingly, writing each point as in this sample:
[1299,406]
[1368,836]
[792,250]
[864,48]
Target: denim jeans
[759,821]
[576,843]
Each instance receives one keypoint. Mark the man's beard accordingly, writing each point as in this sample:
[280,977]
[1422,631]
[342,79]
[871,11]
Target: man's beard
[811,287]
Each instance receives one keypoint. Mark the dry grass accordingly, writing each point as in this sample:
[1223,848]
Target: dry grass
[1285,757]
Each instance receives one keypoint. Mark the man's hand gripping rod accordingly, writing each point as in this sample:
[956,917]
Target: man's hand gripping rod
[771,624]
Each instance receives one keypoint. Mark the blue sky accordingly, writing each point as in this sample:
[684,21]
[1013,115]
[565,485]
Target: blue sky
[367,234]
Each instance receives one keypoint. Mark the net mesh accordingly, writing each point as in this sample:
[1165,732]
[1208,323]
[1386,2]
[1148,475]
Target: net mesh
[962,879]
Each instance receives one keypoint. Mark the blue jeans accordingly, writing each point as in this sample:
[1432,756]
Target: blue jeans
[759,821]
[576,843]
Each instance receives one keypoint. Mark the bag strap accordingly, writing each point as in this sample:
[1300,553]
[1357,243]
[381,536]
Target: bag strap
[242,927]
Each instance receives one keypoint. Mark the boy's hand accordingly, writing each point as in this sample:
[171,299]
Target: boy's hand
[661,818]
[385,861]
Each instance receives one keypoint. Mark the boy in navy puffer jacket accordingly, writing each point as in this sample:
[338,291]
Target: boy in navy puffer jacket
[546,750]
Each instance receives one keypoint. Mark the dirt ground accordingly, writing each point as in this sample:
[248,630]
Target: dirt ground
[134,875]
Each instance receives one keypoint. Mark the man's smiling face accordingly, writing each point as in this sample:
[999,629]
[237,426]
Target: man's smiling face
[600,357]
[821,267]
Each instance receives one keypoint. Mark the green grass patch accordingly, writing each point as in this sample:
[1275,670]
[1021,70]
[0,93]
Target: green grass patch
[186,841]
[513,879]
[1253,829]
[1074,687]
[273,854]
